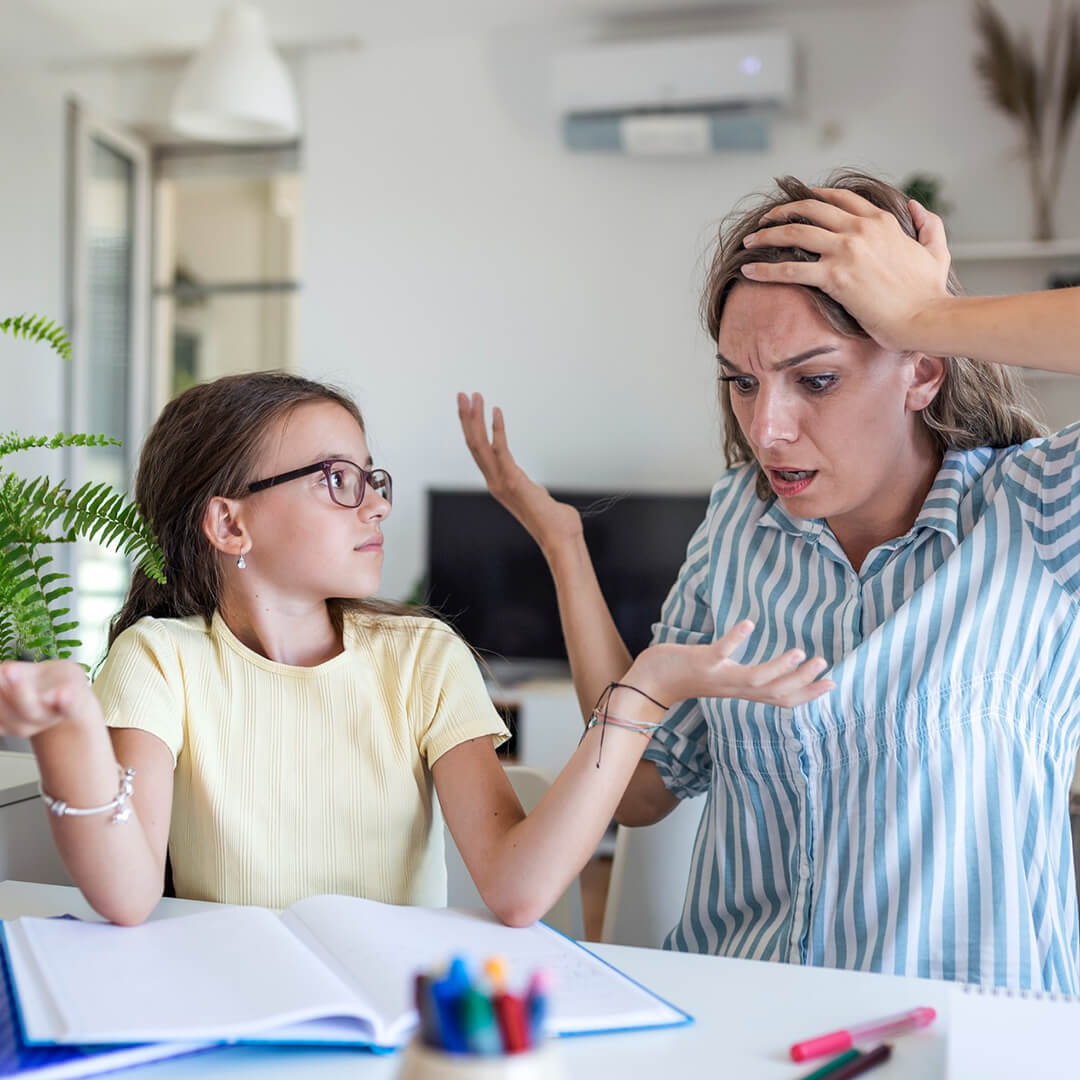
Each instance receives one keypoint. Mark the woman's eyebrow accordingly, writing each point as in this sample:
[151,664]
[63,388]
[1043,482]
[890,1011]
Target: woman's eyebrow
[791,361]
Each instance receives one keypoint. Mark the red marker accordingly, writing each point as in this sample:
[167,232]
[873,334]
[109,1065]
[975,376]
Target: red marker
[837,1041]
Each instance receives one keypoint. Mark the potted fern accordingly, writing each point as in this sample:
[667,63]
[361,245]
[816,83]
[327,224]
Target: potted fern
[36,513]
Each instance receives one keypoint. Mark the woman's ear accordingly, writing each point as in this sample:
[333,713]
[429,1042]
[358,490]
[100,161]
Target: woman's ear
[221,525]
[927,375]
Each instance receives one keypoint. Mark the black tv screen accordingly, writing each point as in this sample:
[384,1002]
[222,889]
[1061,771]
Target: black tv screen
[487,576]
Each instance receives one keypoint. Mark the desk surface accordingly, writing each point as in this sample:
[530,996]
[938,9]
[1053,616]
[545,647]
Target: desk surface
[746,1014]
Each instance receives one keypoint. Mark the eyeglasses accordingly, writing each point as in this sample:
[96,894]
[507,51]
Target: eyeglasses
[346,482]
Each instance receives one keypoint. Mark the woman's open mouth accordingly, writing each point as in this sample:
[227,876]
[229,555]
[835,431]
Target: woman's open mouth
[790,482]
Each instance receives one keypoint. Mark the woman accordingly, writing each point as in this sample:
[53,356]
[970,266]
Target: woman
[899,514]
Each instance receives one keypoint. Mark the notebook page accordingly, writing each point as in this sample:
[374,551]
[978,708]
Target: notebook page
[212,975]
[383,946]
[998,1035]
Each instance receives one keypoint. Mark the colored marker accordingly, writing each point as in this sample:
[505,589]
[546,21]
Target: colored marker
[510,1011]
[828,1070]
[482,1035]
[447,993]
[536,1005]
[426,1010]
[863,1063]
[844,1039]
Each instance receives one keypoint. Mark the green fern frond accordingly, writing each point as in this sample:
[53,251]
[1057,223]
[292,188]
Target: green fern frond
[13,442]
[38,328]
[96,512]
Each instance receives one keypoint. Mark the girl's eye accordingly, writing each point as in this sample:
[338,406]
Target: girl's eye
[817,384]
[337,478]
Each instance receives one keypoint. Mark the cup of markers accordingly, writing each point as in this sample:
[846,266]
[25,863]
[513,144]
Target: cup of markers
[473,1026]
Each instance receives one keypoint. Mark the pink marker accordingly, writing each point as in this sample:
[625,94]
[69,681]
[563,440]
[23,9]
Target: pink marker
[838,1041]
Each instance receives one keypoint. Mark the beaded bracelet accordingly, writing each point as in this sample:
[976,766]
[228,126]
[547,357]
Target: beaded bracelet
[118,804]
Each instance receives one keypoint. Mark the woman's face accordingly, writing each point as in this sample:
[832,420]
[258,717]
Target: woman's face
[831,419]
[302,542]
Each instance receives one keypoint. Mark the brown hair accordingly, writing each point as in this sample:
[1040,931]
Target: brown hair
[978,404]
[205,443]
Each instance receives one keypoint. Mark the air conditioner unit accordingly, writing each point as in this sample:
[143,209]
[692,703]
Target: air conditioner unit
[691,94]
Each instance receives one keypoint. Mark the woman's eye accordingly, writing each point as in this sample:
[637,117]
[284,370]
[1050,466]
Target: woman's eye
[744,384]
[817,383]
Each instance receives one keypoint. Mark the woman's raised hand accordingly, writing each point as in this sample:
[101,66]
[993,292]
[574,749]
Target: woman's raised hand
[34,697]
[883,277]
[676,672]
[546,520]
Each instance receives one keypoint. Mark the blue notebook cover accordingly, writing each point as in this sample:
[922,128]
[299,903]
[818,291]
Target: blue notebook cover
[61,1062]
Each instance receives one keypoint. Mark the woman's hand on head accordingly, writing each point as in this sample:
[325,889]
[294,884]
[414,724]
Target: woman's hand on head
[884,278]
[547,521]
[37,696]
[676,672]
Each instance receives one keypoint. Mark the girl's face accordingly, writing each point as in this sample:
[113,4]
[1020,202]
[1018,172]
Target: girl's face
[302,542]
[831,419]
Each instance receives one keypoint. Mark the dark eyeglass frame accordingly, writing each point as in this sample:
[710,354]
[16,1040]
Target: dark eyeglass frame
[366,477]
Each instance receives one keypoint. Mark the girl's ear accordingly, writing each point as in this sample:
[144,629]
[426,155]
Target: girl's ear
[221,525]
[928,373]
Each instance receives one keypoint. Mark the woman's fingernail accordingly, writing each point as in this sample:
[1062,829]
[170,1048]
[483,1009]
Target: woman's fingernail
[749,270]
[749,239]
[796,658]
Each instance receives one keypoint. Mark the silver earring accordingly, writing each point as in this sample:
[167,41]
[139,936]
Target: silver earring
[241,562]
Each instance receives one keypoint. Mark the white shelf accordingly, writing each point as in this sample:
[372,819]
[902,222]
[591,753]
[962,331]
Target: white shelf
[1001,250]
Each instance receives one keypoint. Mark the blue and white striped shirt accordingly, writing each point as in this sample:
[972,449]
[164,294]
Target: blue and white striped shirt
[914,820]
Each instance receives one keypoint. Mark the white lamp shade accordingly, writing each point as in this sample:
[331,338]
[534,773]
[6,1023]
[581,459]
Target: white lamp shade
[237,89]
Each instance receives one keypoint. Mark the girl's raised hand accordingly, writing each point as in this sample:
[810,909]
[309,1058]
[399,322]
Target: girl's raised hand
[867,263]
[34,697]
[676,672]
[546,520]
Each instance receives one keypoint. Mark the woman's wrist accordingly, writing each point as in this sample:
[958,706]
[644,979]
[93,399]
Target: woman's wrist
[933,328]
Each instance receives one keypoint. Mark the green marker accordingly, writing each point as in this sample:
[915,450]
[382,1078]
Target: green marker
[830,1067]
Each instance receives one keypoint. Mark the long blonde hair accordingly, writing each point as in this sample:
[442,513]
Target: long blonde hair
[978,404]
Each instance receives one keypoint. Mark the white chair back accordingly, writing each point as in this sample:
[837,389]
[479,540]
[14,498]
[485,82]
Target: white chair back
[566,916]
[648,877]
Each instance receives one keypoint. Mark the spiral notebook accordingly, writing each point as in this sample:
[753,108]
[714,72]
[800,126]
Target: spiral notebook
[995,1033]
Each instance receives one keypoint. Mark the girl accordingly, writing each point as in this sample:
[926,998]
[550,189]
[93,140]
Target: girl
[901,514]
[278,732]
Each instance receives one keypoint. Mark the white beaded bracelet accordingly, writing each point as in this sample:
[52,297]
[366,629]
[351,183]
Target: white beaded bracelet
[119,803]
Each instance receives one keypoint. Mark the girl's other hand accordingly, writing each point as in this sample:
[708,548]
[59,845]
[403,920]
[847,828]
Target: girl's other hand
[37,696]
[547,521]
[867,263]
[675,672]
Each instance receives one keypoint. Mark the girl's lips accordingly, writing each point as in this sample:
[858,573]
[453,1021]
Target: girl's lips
[371,545]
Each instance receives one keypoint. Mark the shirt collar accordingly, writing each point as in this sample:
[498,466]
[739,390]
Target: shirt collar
[940,510]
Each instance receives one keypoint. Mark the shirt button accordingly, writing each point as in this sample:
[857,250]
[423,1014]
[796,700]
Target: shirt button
[804,872]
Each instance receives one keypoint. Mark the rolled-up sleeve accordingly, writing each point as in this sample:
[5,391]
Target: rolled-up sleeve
[680,748]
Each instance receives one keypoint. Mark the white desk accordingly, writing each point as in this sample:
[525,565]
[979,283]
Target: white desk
[747,1014]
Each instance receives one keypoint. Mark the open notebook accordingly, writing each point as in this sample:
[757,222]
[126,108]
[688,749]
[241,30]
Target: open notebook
[330,969]
[996,1034]
[66,1062]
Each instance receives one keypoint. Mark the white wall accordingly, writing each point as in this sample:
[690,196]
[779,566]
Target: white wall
[451,243]
[31,252]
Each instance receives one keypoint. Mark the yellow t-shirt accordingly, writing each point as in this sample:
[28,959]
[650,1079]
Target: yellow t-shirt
[294,781]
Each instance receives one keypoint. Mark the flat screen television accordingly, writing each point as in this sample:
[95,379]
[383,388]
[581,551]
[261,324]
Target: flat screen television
[487,577]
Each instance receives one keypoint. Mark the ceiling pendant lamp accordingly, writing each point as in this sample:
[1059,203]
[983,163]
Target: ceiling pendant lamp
[237,88]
